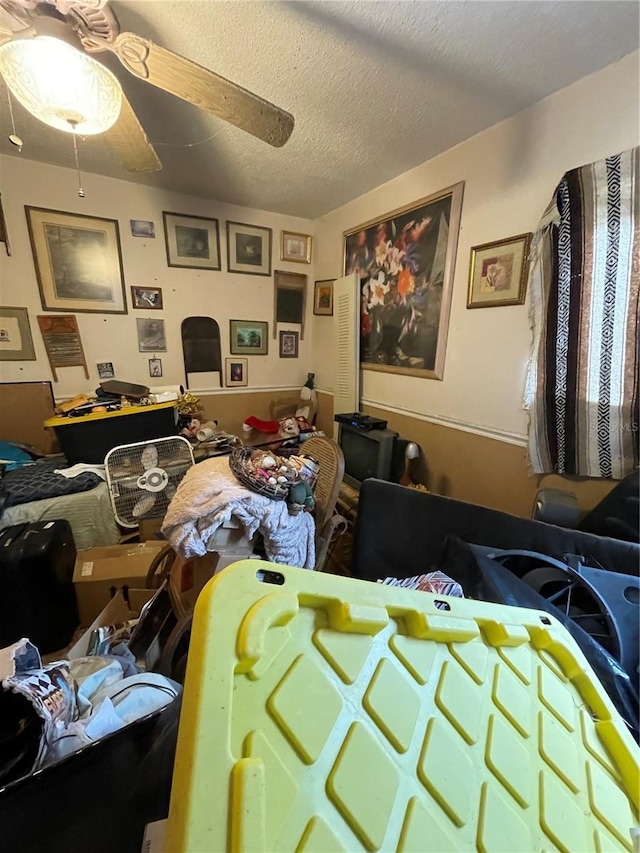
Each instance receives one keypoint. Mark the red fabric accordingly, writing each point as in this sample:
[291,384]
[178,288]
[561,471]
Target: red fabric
[270,427]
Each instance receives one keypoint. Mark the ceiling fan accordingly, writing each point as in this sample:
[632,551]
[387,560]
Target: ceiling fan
[43,40]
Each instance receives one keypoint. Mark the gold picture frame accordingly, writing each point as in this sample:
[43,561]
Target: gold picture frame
[498,272]
[78,261]
[405,263]
[295,248]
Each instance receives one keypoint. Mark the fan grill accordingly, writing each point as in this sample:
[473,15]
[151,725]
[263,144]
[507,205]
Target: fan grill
[143,477]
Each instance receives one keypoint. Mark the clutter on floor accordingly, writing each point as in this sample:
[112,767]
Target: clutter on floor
[210,496]
[326,713]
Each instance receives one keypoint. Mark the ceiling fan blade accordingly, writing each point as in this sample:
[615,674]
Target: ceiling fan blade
[128,139]
[203,88]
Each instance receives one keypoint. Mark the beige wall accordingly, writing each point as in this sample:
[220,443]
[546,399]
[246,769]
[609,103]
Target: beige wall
[471,424]
[109,337]
[470,467]
[510,172]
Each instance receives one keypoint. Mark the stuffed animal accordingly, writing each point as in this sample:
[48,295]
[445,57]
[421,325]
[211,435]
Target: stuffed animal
[289,428]
[300,498]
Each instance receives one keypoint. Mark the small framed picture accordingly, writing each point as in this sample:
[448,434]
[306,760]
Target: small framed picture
[16,343]
[295,247]
[105,370]
[191,241]
[248,249]
[236,370]
[248,337]
[498,272]
[323,298]
[146,297]
[142,228]
[151,335]
[289,344]
[155,367]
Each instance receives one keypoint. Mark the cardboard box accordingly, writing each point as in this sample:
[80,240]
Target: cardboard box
[98,570]
[149,529]
[116,612]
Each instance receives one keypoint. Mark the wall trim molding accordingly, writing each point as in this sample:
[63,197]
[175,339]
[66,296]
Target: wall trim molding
[514,438]
[213,392]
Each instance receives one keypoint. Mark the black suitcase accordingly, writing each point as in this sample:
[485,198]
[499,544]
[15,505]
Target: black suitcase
[37,598]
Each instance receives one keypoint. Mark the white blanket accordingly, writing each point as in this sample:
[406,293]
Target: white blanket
[210,495]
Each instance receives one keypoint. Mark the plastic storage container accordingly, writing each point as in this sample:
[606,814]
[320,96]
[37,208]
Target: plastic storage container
[88,438]
[327,714]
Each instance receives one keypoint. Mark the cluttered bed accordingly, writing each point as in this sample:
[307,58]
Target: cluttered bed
[47,489]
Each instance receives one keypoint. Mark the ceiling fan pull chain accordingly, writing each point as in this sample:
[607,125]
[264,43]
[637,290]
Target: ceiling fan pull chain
[14,139]
[75,152]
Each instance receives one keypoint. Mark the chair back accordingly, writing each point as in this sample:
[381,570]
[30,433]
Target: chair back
[331,461]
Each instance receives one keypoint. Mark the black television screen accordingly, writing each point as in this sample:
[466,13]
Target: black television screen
[367,453]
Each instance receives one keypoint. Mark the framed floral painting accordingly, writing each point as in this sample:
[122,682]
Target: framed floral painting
[405,264]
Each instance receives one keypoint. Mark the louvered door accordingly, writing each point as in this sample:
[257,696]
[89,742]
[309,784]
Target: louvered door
[346,383]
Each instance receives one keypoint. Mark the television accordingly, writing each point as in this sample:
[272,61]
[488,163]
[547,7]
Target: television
[367,453]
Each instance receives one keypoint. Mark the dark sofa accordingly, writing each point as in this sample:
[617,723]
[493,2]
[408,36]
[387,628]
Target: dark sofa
[401,532]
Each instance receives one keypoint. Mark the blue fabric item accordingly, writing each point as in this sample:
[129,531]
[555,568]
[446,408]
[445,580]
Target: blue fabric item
[17,456]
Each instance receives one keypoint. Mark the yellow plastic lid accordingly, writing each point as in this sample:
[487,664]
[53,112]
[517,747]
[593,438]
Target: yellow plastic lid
[328,714]
[59,421]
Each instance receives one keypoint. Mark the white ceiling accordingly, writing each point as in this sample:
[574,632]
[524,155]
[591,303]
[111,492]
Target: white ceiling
[375,88]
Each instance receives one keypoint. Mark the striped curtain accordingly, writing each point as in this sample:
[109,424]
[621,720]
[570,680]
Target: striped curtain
[582,381]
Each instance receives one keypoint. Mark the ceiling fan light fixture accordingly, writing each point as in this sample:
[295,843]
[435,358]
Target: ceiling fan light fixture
[60,85]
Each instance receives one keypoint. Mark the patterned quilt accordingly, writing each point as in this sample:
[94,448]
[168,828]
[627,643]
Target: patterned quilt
[38,481]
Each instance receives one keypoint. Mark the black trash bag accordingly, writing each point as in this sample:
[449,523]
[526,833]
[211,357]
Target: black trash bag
[486,579]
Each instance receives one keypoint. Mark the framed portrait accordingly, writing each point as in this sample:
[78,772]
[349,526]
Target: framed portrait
[147,297]
[151,335]
[142,228]
[498,272]
[155,367]
[405,265]
[323,298]
[248,249]
[78,261]
[289,344]
[105,370]
[192,242]
[295,247]
[16,343]
[248,337]
[236,371]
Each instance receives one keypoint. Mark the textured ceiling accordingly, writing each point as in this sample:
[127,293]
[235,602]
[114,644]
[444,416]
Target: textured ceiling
[375,87]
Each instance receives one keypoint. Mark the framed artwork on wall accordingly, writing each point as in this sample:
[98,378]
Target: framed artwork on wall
[248,249]
[289,342]
[142,228]
[151,335]
[405,263]
[248,337]
[295,247]
[146,297]
[78,261]
[105,370]
[323,298]
[498,272]
[236,372]
[16,343]
[155,367]
[192,242]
